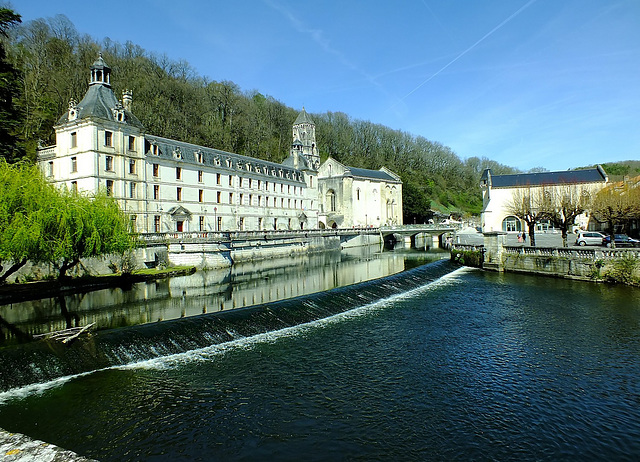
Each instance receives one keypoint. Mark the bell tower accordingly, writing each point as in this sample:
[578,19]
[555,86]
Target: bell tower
[304,139]
[100,73]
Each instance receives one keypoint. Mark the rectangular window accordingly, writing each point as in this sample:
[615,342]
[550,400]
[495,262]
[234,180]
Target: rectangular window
[134,221]
[250,182]
[156,170]
[74,187]
[132,190]
[200,176]
[108,138]
[241,223]
[266,186]
[132,143]
[50,169]
[231,198]
[218,178]
[108,163]
[109,187]
[250,199]
[259,184]
[200,195]
[218,197]
[230,180]
[156,223]
[178,173]
[132,166]
[74,164]
[74,140]
[201,223]
[178,194]
[156,192]
[241,199]
[219,224]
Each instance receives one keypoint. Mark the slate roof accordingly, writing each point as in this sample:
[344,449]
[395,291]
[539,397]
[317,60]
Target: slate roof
[371,174]
[182,152]
[591,175]
[99,101]
[303,118]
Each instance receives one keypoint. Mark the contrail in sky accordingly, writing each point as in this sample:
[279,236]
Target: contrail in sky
[526,5]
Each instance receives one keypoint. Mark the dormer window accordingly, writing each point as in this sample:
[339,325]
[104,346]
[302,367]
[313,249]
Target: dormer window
[73,109]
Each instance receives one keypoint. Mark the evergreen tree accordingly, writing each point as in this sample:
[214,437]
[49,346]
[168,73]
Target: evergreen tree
[9,88]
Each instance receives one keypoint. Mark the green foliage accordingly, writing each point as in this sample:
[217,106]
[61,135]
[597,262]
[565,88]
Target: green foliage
[10,115]
[595,269]
[85,227]
[622,270]
[24,202]
[474,258]
[42,224]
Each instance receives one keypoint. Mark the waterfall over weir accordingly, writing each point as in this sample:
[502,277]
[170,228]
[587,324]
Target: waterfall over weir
[46,361]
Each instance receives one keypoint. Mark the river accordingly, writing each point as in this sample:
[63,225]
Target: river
[431,362]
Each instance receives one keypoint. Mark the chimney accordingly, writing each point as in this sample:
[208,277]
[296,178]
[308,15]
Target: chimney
[127,99]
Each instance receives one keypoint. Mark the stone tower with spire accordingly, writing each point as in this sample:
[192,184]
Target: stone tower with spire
[304,139]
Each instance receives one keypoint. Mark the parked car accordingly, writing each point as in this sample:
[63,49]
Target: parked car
[622,240]
[589,238]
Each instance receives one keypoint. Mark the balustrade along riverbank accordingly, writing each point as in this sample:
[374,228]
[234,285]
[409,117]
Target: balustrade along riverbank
[587,264]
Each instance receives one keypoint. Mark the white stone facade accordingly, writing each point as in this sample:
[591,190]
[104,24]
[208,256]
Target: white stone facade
[356,197]
[498,191]
[166,185]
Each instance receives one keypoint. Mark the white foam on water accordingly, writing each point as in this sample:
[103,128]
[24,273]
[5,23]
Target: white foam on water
[217,350]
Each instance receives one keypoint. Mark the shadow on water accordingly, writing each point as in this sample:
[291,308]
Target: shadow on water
[206,308]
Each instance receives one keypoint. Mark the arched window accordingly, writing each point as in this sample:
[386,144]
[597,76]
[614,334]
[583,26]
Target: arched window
[331,200]
[511,224]
[358,194]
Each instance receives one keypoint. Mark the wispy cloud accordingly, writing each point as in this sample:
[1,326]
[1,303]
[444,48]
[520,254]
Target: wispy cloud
[318,36]
[484,37]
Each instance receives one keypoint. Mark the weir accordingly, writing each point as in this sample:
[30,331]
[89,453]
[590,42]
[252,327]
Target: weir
[43,361]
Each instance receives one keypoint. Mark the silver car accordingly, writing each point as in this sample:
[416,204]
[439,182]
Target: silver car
[589,238]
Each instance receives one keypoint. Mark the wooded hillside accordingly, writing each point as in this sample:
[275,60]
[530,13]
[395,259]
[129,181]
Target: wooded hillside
[172,101]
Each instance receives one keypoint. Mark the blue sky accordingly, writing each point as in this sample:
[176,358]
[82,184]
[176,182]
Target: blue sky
[528,83]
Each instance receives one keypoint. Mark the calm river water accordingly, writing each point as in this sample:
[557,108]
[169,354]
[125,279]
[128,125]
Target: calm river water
[435,363]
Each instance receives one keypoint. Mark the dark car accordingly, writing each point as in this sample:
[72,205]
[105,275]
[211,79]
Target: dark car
[621,240]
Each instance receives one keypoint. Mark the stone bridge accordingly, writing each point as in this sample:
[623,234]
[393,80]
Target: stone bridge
[391,234]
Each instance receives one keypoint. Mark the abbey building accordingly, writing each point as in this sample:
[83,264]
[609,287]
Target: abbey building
[166,185]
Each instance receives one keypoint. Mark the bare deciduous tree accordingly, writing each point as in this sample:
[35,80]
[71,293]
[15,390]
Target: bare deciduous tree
[566,203]
[530,205]
[615,205]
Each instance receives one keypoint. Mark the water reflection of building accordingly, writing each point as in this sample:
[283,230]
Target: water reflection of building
[203,292]
[166,185]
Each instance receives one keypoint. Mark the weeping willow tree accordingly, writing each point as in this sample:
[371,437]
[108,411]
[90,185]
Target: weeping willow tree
[42,224]
[25,200]
[83,227]
[531,205]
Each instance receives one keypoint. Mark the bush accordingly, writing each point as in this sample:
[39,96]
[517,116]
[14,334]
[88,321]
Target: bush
[474,258]
[622,270]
